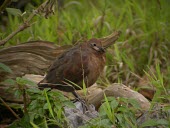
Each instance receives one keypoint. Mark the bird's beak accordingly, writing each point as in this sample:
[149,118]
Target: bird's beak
[109,40]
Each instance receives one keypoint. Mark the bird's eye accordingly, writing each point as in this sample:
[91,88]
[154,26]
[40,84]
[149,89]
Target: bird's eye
[93,44]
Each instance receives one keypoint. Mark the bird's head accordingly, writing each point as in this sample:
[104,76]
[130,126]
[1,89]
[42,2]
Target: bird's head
[101,44]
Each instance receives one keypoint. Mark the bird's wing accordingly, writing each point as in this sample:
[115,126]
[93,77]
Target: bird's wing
[70,66]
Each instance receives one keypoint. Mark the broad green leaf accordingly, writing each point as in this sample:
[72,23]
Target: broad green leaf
[40,110]
[122,109]
[9,82]
[102,110]
[45,106]
[14,11]
[134,103]
[41,98]
[24,122]
[69,104]
[106,123]
[110,99]
[155,122]
[5,68]
[33,105]
[24,81]
[17,93]
[34,90]
[114,103]
[119,117]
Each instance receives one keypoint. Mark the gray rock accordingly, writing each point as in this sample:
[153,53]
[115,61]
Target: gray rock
[77,117]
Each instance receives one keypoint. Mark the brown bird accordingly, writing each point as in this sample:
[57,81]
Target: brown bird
[82,63]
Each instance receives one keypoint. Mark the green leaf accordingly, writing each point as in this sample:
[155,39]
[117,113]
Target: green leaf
[134,103]
[9,82]
[33,105]
[45,106]
[69,104]
[24,81]
[33,125]
[41,98]
[5,68]
[114,103]
[102,110]
[119,118]
[155,122]
[40,110]
[49,104]
[34,90]
[17,93]
[108,110]
[24,122]
[123,109]
[111,99]
[105,122]
[84,88]
[14,11]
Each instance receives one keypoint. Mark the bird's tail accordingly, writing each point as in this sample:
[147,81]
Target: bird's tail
[42,85]
[61,87]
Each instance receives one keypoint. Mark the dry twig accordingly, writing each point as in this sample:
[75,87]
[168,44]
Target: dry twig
[9,108]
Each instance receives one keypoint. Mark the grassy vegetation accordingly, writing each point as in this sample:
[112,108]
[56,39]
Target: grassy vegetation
[143,48]
[144,26]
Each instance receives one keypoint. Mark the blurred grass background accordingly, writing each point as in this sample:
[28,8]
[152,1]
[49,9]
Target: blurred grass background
[145,39]
[139,59]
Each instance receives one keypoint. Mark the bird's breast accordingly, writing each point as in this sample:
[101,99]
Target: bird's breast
[95,66]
